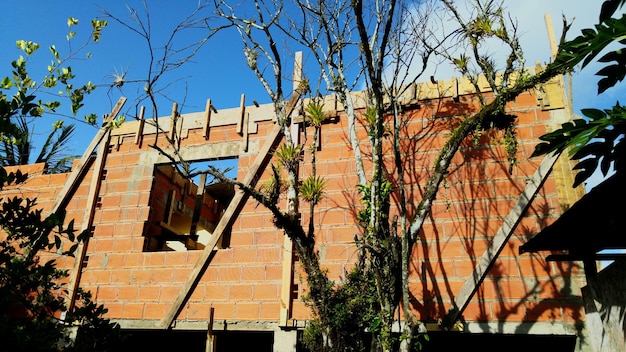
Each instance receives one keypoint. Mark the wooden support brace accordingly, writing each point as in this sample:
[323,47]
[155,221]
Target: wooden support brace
[72,182]
[173,122]
[197,209]
[242,116]
[499,241]
[207,120]
[92,200]
[81,168]
[140,126]
[233,209]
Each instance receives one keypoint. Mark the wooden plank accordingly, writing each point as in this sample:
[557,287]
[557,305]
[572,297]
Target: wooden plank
[297,79]
[197,209]
[81,168]
[207,120]
[169,206]
[210,337]
[287,257]
[181,120]
[242,115]
[92,199]
[551,38]
[286,281]
[233,209]
[140,125]
[245,133]
[499,241]
[172,133]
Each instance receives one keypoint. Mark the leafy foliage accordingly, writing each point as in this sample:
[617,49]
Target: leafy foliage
[353,309]
[312,189]
[595,142]
[20,108]
[32,297]
[16,148]
[598,139]
[31,293]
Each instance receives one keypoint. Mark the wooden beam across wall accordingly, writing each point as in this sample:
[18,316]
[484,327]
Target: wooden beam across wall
[473,282]
[232,211]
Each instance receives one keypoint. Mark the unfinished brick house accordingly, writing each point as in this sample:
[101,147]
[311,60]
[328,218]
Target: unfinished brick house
[173,261]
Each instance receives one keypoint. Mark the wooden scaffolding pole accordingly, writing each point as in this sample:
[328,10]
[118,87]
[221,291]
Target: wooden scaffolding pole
[499,241]
[92,199]
[286,287]
[72,182]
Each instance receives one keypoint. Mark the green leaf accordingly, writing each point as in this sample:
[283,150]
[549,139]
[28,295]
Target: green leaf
[593,114]
[55,53]
[7,83]
[609,7]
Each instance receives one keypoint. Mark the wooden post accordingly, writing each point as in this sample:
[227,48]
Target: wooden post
[287,258]
[553,46]
[297,80]
[245,133]
[210,338]
[197,209]
[243,114]
[207,119]
[286,281]
[499,241]
[173,122]
[142,121]
[181,120]
[233,209]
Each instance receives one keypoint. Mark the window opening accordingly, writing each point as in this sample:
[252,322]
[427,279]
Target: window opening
[184,212]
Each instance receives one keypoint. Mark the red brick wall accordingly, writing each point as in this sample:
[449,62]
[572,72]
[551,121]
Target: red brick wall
[243,281]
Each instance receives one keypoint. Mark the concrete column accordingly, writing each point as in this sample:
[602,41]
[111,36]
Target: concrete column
[285,340]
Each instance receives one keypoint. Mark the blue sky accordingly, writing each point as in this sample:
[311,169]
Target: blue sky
[219,71]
